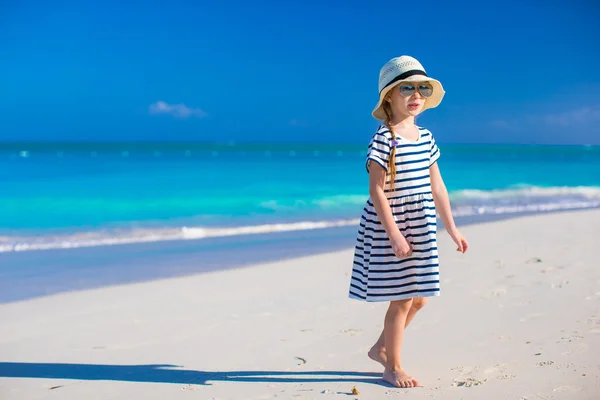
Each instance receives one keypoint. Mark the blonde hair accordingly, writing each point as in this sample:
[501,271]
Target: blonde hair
[387,108]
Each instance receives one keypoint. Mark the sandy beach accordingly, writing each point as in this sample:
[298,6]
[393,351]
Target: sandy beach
[518,318]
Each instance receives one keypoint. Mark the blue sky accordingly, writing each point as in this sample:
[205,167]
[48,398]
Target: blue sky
[297,71]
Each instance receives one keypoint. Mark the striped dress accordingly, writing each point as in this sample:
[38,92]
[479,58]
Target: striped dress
[377,274]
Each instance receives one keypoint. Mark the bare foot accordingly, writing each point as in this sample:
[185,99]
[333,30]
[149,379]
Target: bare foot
[378,354]
[399,378]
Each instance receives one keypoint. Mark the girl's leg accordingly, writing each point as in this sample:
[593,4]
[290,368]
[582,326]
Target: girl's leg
[377,352]
[417,304]
[395,321]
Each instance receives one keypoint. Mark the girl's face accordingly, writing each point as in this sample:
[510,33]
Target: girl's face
[407,98]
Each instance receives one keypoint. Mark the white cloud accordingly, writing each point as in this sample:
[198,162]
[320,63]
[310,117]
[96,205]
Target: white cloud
[176,110]
[574,117]
[579,116]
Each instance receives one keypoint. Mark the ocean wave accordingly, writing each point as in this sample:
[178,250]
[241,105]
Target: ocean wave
[528,191]
[517,194]
[336,201]
[465,203]
[466,211]
[92,239]
[326,202]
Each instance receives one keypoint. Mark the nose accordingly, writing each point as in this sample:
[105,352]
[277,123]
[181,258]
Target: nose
[418,94]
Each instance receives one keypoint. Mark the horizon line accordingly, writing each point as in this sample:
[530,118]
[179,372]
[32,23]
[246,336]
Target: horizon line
[36,143]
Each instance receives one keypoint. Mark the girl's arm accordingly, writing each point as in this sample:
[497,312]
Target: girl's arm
[377,177]
[441,198]
[442,203]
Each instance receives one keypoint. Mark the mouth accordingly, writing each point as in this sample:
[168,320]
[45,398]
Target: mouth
[413,106]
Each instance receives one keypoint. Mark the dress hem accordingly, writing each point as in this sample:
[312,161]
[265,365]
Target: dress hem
[381,299]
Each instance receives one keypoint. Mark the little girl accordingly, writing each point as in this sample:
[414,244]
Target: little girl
[396,257]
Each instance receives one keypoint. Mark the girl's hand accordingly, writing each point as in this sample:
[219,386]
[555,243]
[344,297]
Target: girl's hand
[459,239]
[401,247]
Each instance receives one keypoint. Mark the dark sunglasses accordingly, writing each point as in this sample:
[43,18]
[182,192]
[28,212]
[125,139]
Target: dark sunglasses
[425,89]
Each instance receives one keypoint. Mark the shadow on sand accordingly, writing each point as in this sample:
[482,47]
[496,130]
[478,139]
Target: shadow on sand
[166,373]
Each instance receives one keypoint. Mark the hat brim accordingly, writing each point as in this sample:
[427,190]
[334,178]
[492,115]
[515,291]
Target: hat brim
[430,102]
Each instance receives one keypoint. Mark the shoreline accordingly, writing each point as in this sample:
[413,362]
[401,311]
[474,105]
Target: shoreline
[290,331]
[31,274]
[470,204]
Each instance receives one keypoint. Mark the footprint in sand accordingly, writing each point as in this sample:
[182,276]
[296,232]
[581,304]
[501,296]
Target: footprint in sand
[495,368]
[545,363]
[595,323]
[500,371]
[468,382]
[465,369]
[567,339]
[506,377]
[595,296]
[577,348]
[593,320]
[567,365]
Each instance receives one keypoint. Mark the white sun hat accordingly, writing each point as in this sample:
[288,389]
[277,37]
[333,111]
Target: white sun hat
[405,69]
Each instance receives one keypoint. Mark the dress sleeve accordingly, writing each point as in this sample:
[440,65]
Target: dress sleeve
[379,151]
[434,152]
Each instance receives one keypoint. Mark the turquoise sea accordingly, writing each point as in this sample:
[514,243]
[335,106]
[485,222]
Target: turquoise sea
[89,194]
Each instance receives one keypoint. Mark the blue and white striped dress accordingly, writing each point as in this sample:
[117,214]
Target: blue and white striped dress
[377,274]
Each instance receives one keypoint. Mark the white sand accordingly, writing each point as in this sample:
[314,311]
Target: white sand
[511,326]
